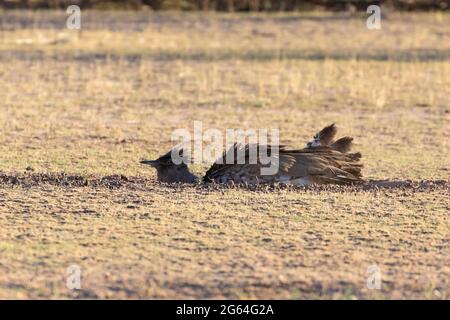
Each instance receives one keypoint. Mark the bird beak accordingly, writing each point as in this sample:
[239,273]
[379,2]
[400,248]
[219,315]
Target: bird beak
[150,162]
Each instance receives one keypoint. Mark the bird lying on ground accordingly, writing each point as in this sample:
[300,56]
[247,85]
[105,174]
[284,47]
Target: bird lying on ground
[322,161]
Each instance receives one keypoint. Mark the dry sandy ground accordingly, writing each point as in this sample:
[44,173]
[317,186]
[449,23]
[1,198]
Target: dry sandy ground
[79,109]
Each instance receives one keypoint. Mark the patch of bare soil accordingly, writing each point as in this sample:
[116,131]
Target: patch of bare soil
[67,180]
[29,179]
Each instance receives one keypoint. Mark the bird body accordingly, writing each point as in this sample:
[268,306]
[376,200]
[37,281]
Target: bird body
[323,161]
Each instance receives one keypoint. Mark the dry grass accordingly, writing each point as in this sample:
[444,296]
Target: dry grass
[95,102]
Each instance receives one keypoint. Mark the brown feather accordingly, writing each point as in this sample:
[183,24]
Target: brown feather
[343,144]
[324,137]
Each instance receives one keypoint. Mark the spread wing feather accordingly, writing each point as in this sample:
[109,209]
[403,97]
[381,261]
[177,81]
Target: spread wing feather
[322,161]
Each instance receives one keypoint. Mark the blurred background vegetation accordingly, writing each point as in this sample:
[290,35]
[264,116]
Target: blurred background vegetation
[228,5]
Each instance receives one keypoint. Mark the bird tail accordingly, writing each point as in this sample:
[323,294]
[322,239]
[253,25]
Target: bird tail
[325,138]
[343,144]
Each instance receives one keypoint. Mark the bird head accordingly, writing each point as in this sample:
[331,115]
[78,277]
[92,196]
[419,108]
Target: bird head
[171,168]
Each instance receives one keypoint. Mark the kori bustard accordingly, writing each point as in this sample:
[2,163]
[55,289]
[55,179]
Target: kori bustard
[323,161]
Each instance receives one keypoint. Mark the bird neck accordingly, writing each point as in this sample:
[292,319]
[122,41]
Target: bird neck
[176,173]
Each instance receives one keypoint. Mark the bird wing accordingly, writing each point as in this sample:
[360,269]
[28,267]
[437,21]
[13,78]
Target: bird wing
[322,161]
[326,166]
[241,163]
